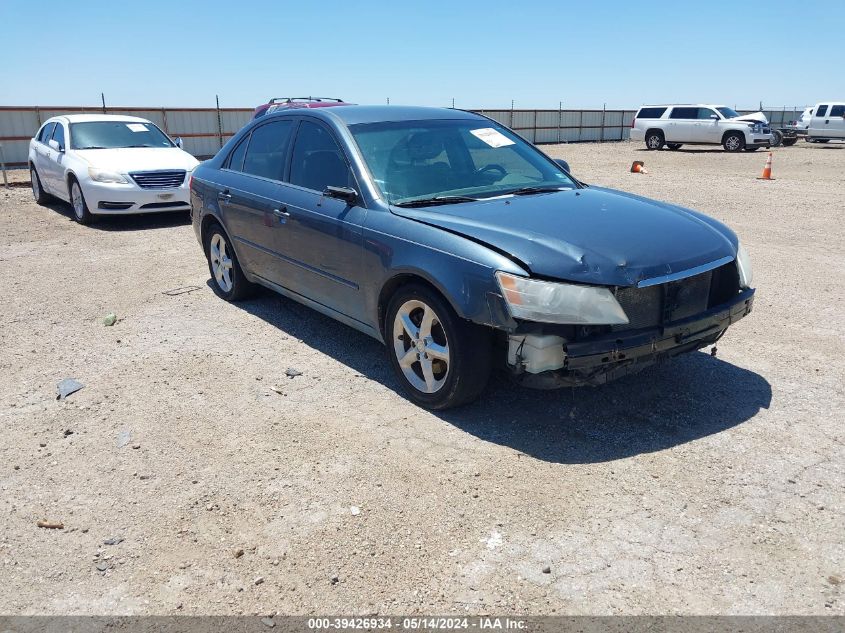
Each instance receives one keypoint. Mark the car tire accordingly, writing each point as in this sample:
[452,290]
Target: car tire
[789,142]
[654,140]
[227,278]
[777,138]
[752,149]
[77,202]
[444,368]
[674,146]
[734,142]
[37,188]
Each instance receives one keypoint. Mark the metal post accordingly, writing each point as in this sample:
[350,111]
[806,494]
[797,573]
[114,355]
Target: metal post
[580,124]
[3,166]
[534,138]
[164,120]
[388,101]
[453,103]
[601,132]
[559,119]
[219,121]
[511,125]
[103,98]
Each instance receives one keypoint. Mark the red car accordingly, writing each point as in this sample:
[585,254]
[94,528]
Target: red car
[284,103]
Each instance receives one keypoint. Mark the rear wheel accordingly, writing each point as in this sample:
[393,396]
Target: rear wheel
[654,139]
[734,142]
[77,200]
[227,278]
[37,189]
[441,360]
[674,146]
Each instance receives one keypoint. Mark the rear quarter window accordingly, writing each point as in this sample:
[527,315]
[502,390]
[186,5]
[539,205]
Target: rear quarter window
[684,113]
[650,113]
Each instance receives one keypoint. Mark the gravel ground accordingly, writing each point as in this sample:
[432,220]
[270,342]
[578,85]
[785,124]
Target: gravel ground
[706,485]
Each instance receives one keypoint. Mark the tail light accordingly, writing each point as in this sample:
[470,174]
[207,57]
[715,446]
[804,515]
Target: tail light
[633,122]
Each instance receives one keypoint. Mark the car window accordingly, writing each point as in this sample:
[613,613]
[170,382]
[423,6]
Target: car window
[46,132]
[419,160]
[837,110]
[235,161]
[111,134]
[728,113]
[706,113]
[822,110]
[59,134]
[265,154]
[650,113]
[684,113]
[317,160]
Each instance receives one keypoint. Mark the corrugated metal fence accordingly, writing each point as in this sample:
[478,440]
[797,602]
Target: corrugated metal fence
[205,130]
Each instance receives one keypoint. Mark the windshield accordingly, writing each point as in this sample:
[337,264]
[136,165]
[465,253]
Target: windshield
[113,134]
[728,113]
[453,160]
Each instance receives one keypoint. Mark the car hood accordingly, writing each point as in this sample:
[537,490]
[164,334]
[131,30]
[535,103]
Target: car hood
[591,235]
[126,159]
[754,116]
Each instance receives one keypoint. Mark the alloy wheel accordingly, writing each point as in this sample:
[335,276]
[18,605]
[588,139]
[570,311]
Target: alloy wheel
[421,347]
[77,200]
[221,262]
[36,186]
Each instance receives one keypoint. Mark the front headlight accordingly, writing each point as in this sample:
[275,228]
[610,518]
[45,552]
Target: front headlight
[743,263]
[103,175]
[555,302]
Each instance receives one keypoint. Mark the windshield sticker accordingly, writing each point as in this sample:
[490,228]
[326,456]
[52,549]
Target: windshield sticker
[492,137]
[137,127]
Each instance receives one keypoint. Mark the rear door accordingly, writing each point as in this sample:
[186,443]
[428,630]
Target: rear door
[322,236]
[683,121]
[837,121]
[248,191]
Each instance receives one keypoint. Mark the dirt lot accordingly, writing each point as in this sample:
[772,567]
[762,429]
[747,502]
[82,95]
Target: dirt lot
[708,485]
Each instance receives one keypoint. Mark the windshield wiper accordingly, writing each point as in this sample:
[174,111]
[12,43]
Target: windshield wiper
[91,147]
[429,202]
[137,145]
[525,191]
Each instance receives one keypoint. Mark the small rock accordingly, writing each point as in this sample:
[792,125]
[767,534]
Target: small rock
[136,446]
[42,444]
[66,387]
[102,566]
[290,372]
[258,581]
[238,553]
[16,467]
[110,319]
[355,510]
[115,540]
[335,579]
[123,438]
[547,570]
[144,477]
[268,622]
[834,580]
[68,432]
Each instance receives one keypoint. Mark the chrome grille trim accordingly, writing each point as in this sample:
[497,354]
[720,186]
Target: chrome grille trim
[161,179]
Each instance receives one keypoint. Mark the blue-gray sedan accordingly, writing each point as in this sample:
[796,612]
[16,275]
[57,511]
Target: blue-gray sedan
[462,246]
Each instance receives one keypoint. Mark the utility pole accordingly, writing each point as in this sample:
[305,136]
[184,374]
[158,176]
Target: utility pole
[103,99]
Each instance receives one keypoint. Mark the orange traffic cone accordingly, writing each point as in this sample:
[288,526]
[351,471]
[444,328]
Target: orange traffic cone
[638,167]
[767,170]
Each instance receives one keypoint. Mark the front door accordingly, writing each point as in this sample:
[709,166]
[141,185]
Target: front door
[322,235]
[820,122]
[54,164]
[708,129]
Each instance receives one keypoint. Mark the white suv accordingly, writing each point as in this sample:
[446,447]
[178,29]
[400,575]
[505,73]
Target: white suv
[827,122]
[700,124]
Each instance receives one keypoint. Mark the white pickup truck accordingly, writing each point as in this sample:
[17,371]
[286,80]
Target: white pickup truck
[700,124]
[827,122]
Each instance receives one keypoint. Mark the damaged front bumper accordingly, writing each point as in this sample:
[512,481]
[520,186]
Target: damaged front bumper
[602,358]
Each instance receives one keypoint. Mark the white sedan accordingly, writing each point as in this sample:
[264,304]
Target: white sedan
[107,164]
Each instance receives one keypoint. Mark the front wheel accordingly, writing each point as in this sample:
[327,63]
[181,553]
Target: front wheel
[441,360]
[674,146]
[227,278]
[734,142]
[77,200]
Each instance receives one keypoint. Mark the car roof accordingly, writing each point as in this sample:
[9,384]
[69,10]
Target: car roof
[354,114]
[86,118]
[684,105]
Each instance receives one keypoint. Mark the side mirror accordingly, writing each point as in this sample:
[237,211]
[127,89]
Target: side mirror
[563,165]
[178,141]
[715,117]
[347,194]
[55,145]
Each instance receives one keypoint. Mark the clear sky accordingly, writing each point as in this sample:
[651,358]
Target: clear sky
[482,54]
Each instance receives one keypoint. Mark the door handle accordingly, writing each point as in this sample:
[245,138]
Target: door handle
[282,213]
[224,196]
